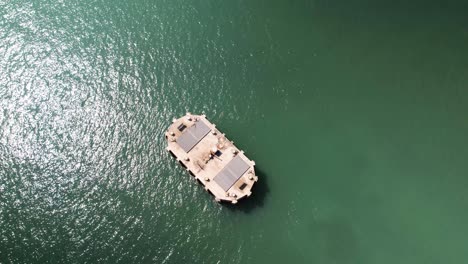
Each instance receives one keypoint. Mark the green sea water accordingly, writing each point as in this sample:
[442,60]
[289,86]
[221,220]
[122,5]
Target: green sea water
[356,113]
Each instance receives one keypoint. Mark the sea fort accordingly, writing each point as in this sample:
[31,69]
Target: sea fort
[212,159]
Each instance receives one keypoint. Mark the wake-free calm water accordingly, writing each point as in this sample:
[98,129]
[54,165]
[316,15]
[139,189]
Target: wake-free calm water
[354,111]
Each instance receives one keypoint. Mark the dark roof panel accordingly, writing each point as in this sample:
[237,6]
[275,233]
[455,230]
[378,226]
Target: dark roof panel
[193,135]
[231,173]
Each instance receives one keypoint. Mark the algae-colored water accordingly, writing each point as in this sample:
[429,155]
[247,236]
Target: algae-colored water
[354,111]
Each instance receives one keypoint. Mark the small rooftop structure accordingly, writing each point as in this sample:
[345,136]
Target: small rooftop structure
[192,135]
[231,173]
[211,158]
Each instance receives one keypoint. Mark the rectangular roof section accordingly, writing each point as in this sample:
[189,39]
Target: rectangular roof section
[231,173]
[193,135]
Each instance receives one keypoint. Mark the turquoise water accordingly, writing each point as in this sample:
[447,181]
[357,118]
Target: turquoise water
[354,111]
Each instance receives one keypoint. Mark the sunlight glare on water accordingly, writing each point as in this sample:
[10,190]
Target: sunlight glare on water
[355,113]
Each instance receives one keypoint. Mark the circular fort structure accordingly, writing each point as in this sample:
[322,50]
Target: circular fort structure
[211,158]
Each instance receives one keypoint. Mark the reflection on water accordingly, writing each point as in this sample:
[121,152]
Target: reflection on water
[355,115]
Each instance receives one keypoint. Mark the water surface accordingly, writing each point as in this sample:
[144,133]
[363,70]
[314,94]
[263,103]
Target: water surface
[354,111]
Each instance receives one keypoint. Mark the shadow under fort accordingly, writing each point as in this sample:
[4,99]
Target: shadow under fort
[260,191]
